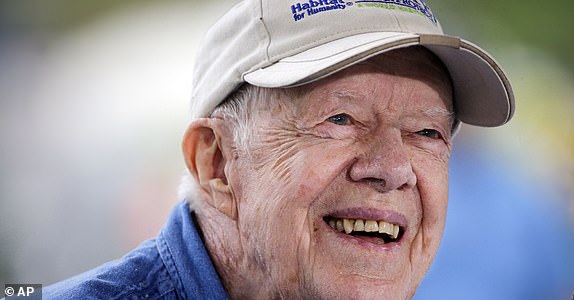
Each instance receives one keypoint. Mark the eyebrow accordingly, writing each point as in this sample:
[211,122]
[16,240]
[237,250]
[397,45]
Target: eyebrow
[439,113]
[344,94]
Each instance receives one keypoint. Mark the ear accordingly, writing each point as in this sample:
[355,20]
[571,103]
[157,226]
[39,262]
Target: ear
[206,148]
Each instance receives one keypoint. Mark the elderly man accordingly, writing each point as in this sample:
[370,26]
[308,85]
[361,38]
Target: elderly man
[317,156]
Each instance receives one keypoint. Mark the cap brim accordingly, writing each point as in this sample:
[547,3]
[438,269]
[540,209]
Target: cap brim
[483,95]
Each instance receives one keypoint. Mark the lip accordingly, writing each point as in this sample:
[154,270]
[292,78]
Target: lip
[367,214]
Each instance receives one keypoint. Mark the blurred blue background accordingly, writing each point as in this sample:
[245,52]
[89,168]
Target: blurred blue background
[94,101]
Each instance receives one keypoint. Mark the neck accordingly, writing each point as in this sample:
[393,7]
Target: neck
[241,278]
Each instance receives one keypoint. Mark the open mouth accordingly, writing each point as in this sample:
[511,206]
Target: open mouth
[374,231]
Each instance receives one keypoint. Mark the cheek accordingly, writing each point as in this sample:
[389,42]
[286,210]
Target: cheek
[298,166]
[320,166]
[432,183]
[286,187]
[276,204]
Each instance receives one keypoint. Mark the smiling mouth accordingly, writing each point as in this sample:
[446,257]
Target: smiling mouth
[375,231]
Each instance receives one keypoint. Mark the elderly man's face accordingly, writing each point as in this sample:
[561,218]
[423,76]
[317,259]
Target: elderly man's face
[344,193]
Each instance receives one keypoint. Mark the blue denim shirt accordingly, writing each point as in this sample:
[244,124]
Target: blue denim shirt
[175,265]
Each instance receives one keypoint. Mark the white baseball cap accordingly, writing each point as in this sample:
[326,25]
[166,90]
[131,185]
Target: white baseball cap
[286,43]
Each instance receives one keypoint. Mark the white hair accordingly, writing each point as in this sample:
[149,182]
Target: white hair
[239,111]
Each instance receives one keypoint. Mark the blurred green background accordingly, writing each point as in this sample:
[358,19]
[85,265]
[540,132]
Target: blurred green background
[94,100]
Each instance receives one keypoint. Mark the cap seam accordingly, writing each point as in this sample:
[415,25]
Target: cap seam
[266,30]
[397,20]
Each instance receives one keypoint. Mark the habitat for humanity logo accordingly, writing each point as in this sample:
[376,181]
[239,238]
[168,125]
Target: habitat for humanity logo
[312,7]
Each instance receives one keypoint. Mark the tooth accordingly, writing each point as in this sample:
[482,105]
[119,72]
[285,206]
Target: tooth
[340,225]
[385,227]
[359,225]
[395,231]
[371,226]
[332,223]
[348,225]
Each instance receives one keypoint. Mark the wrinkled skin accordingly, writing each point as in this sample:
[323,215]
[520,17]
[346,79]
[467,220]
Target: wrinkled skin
[373,142]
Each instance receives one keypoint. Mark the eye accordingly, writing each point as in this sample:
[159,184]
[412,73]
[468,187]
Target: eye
[430,133]
[340,119]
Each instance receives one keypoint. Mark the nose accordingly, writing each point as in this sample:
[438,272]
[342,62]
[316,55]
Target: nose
[385,164]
